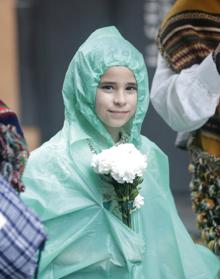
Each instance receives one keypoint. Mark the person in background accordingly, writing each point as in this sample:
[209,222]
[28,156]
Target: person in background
[186,93]
[21,233]
[106,97]
[13,148]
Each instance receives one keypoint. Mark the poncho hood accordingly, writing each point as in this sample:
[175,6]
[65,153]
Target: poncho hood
[104,48]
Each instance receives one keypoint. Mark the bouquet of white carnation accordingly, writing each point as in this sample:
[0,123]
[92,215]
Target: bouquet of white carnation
[124,165]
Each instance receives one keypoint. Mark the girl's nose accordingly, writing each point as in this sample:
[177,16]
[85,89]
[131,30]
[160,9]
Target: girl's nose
[120,98]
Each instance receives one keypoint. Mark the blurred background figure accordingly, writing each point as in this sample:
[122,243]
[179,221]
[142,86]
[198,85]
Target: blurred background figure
[21,232]
[38,38]
[186,93]
[13,148]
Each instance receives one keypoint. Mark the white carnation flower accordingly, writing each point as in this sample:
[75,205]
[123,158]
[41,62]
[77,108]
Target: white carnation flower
[139,201]
[123,162]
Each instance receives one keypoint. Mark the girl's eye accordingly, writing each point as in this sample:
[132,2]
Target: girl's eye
[107,88]
[131,89]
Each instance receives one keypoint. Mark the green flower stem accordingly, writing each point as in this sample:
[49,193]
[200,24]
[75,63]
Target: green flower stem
[126,214]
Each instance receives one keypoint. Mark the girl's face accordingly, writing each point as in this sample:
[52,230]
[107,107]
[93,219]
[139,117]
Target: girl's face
[116,98]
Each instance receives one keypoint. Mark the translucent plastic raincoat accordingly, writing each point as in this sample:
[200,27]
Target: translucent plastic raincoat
[86,240]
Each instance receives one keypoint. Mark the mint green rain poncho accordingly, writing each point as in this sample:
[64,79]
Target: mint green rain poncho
[86,240]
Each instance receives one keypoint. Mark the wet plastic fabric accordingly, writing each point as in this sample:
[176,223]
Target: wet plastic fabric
[86,240]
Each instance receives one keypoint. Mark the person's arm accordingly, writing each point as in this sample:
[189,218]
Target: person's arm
[186,100]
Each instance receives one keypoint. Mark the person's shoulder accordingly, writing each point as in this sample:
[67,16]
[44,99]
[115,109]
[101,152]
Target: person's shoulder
[156,158]
[45,156]
[36,153]
[48,147]
[148,146]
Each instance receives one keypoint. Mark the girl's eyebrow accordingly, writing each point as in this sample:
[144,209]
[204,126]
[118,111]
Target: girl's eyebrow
[112,82]
[132,83]
[107,82]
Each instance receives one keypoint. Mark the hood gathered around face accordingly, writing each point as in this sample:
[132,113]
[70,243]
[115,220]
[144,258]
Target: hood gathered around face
[104,48]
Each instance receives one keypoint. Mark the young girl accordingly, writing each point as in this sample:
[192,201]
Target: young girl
[106,97]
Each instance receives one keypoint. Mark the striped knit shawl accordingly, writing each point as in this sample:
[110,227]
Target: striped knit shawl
[186,38]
